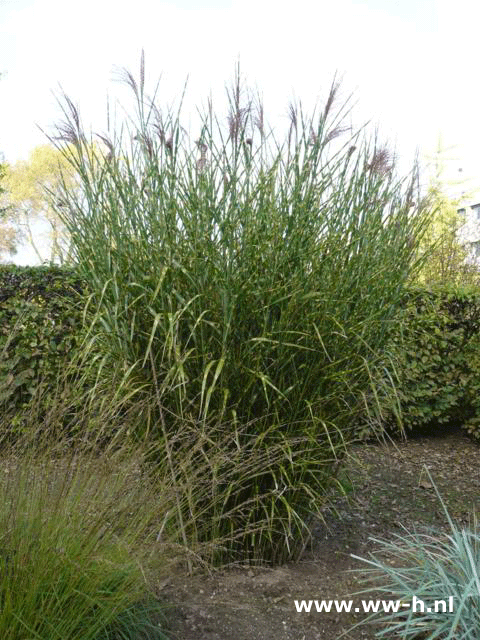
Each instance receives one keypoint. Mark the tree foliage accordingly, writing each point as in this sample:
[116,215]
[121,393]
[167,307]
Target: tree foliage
[447,261]
[31,186]
[8,234]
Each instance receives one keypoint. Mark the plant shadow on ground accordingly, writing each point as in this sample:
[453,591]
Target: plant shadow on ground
[390,490]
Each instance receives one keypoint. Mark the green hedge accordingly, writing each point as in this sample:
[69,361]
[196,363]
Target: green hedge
[40,316]
[437,355]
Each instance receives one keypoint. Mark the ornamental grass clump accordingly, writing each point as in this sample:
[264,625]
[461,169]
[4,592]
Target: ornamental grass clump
[244,288]
[443,571]
[75,523]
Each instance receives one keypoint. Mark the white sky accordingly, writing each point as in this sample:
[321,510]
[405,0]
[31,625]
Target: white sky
[412,65]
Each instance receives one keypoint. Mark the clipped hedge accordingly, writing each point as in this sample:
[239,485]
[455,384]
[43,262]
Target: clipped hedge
[437,355]
[40,316]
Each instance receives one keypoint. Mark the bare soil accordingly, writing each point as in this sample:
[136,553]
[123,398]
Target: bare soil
[389,489]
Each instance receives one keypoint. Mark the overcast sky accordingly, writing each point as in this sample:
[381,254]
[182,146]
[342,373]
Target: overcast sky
[412,65]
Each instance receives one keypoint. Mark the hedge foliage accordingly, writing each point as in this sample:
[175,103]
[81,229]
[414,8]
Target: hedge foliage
[437,355]
[40,317]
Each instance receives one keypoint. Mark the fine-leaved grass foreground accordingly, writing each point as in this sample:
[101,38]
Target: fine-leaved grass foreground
[78,529]
[242,292]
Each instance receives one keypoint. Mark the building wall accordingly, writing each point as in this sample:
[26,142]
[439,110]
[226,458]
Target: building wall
[469,233]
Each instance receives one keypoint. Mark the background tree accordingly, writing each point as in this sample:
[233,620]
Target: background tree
[8,234]
[31,185]
[447,255]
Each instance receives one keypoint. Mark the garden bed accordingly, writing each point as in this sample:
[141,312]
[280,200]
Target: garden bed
[391,490]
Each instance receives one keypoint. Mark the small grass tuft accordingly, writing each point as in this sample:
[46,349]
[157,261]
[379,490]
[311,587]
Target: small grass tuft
[432,567]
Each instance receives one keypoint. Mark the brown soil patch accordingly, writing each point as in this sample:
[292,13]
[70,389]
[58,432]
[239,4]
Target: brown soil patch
[390,489]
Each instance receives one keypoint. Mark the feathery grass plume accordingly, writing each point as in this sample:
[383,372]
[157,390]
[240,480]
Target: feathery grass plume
[124,75]
[70,131]
[382,161]
[247,309]
[238,113]
[158,124]
[293,117]
[142,72]
[109,144]
[146,143]
[202,161]
[259,120]
[331,97]
[335,132]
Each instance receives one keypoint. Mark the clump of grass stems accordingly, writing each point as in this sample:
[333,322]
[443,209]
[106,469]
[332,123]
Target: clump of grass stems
[243,288]
[74,526]
[205,480]
[433,567]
